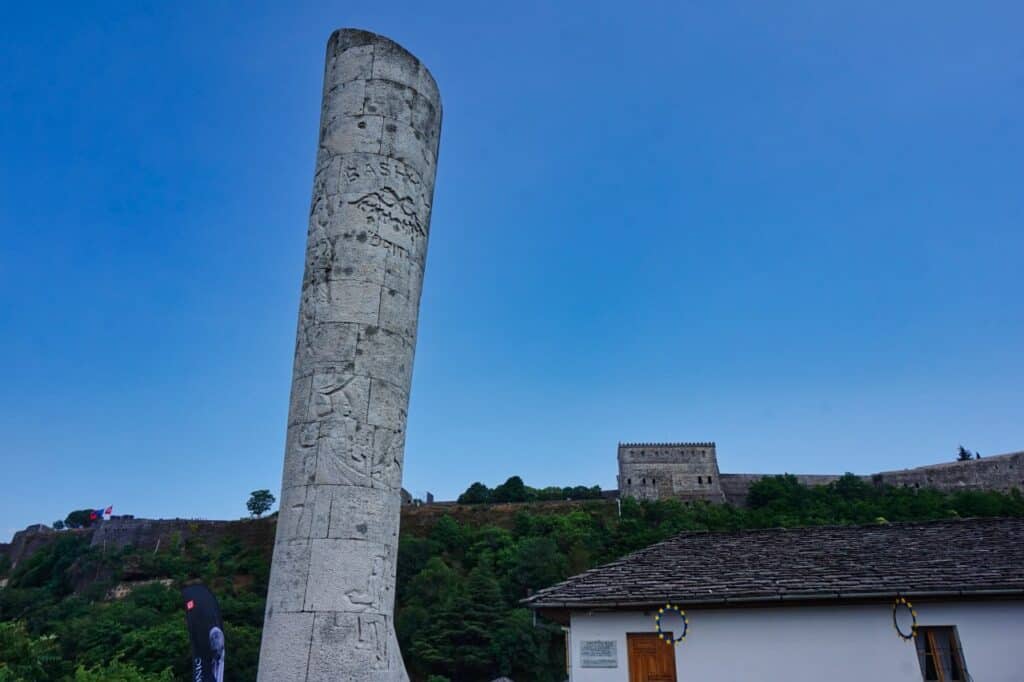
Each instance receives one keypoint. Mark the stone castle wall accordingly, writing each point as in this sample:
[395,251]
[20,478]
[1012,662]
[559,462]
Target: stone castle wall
[999,472]
[689,472]
[26,542]
[683,471]
[147,534]
[120,532]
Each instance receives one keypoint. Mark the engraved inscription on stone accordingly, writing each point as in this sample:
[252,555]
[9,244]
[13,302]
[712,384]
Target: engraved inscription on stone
[393,211]
[331,594]
[599,653]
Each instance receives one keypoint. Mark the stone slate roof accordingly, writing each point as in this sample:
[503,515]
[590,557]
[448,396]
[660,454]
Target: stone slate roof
[952,559]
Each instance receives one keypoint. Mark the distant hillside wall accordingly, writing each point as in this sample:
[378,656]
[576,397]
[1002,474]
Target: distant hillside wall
[120,532]
[999,472]
[26,542]
[117,533]
[690,472]
[148,534]
[736,486]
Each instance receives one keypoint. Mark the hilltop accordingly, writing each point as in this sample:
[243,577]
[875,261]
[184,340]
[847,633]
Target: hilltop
[105,599]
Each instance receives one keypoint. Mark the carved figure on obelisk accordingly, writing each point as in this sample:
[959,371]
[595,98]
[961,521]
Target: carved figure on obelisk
[332,582]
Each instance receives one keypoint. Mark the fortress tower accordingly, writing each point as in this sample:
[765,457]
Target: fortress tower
[659,471]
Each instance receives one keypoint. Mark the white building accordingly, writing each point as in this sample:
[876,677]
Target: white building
[807,604]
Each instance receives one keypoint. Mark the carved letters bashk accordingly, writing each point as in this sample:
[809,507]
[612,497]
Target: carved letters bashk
[383,168]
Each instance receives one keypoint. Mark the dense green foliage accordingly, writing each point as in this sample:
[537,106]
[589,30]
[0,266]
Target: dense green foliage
[459,583]
[514,490]
[62,623]
[80,518]
[260,502]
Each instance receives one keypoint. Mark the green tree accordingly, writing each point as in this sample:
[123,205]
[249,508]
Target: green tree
[243,642]
[963,454]
[777,492]
[537,563]
[157,647]
[512,490]
[448,533]
[481,607]
[260,502]
[118,671]
[23,657]
[478,493]
[851,487]
[435,585]
[525,650]
[80,518]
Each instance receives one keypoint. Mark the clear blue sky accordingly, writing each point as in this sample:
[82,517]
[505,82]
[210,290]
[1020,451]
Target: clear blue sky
[796,229]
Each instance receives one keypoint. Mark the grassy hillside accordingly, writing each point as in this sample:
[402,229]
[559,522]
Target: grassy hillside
[75,612]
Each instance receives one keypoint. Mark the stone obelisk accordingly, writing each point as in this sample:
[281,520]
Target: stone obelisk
[330,602]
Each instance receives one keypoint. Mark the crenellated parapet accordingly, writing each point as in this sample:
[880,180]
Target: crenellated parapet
[708,444]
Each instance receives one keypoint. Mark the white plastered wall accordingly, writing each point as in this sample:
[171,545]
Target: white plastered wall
[812,643]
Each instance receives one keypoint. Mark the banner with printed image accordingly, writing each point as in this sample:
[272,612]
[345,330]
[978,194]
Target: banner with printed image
[206,631]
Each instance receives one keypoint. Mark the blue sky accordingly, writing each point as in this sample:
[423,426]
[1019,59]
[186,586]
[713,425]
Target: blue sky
[795,228]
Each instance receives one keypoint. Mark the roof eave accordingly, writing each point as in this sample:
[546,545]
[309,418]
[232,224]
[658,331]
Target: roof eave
[775,598]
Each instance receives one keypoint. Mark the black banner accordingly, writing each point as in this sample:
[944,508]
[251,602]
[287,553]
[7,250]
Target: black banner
[206,630]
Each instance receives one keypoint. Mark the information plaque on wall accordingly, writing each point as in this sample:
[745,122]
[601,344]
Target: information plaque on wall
[598,653]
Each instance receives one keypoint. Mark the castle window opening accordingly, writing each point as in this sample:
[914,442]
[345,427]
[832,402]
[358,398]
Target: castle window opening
[700,480]
[629,481]
[709,480]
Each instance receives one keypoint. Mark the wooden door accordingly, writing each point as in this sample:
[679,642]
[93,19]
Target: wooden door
[650,659]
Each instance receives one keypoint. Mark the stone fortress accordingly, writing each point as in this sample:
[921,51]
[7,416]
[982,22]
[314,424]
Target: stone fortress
[689,472]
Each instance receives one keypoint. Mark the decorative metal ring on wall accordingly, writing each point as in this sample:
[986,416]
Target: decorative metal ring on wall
[902,601]
[657,623]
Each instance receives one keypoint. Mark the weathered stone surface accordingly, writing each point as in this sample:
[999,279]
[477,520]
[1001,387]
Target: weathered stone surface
[384,354]
[344,453]
[351,647]
[300,453]
[331,594]
[305,512]
[398,312]
[356,514]
[349,576]
[284,653]
[685,471]
[327,345]
[289,574]
[388,405]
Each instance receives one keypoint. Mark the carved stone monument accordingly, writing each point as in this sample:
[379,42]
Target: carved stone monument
[332,583]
